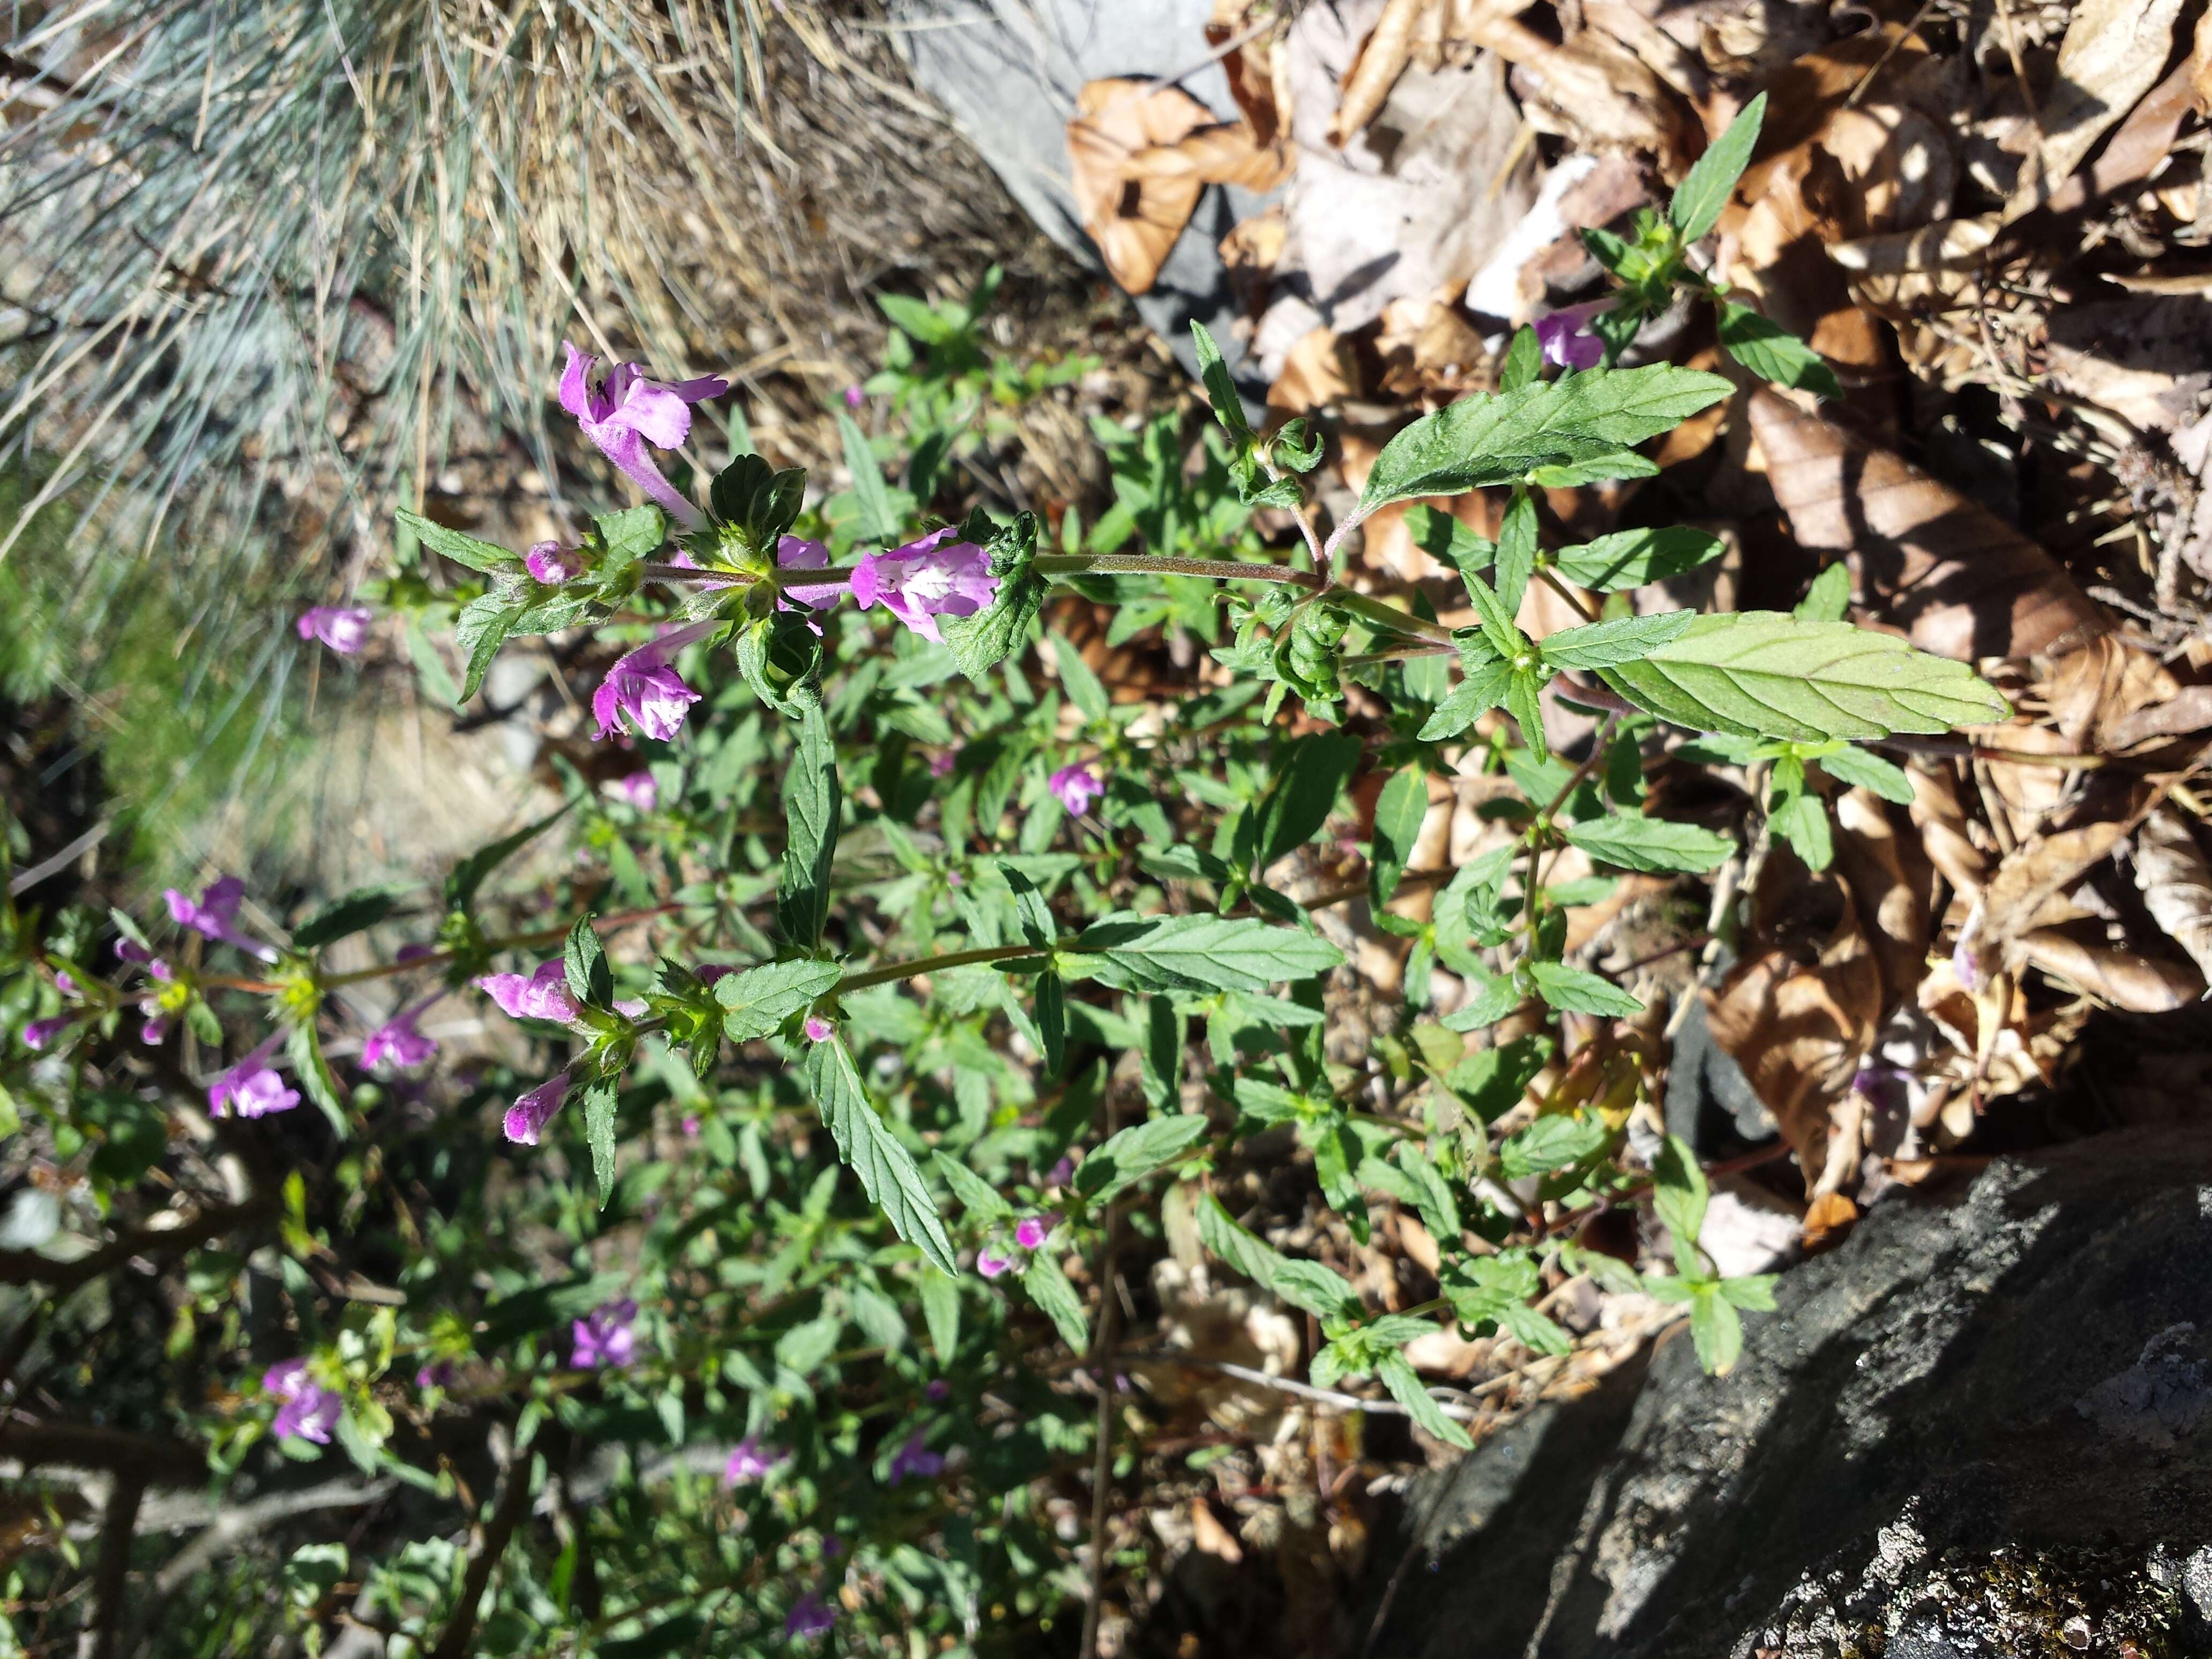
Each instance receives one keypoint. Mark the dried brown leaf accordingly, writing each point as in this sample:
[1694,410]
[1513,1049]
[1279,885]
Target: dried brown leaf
[2111,56]
[2140,984]
[1383,59]
[2036,870]
[2176,883]
[1207,1533]
[1135,223]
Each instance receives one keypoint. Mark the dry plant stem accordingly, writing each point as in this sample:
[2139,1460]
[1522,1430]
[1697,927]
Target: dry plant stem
[1146,564]
[1101,1468]
[491,1544]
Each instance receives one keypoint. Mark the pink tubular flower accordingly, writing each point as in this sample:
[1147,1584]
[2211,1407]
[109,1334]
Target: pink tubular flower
[41,1032]
[916,1459]
[251,1088]
[310,1410]
[643,686]
[436,1373]
[749,1461]
[603,1338]
[810,1617]
[213,915]
[991,1261]
[942,762]
[552,564]
[396,1043]
[1031,1231]
[344,627]
[796,553]
[638,790]
[65,985]
[817,1028]
[1566,338]
[527,1118]
[936,576]
[1077,788]
[626,412]
[540,995]
[854,397]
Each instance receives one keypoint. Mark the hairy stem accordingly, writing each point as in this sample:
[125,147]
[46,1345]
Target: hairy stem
[1140,564]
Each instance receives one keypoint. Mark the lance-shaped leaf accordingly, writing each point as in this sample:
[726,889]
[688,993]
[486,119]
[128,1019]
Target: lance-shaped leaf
[1629,558]
[1516,551]
[1705,189]
[1773,353]
[1305,1284]
[811,801]
[345,917]
[976,1196]
[1048,1288]
[1624,639]
[469,874]
[757,1000]
[487,556]
[1579,992]
[877,521]
[1856,766]
[1762,674]
[1481,690]
[1443,537]
[1201,953]
[866,1144]
[599,1098]
[1406,1386]
[1134,1153]
[1400,812]
[1629,841]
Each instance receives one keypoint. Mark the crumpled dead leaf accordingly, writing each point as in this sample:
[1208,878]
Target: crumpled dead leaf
[2111,57]
[2035,872]
[1207,1533]
[2125,979]
[1960,582]
[1139,158]
[2176,883]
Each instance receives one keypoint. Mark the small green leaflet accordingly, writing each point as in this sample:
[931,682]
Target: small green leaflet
[1481,690]
[976,1196]
[1624,639]
[1305,1284]
[1619,464]
[759,1000]
[469,874]
[1856,766]
[1309,777]
[1551,1143]
[1488,1001]
[1773,353]
[1400,812]
[304,1048]
[1405,1387]
[1581,993]
[1048,1288]
[1220,389]
[1800,818]
[1491,440]
[1628,841]
[630,534]
[887,1170]
[1629,558]
[983,641]
[940,1310]
[1443,537]
[599,1131]
[878,523]
[1516,551]
[1083,688]
[487,556]
[1679,1195]
[1201,953]
[584,960]
[1762,674]
[345,917]
[1705,189]
[1491,1081]
[1829,596]
[812,802]
[1524,360]
[1134,1153]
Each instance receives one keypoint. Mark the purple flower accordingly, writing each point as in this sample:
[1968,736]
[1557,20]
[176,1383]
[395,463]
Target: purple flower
[156,1027]
[65,985]
[626,412]
[41,1032]
[942,762]
[344,627]
[540,995]
[991,1261]
[310,1410]
[809,1618]
[1060,1173]
[692,1127]
[1031,1231]
[817,1028]
[749,1461]
[527,1118]
[603,1338]
[854,397]
[396,1043]
[213,915]
[637,790]
[1966,962]
[914,1458]
[936,576]
[938,1388]
[796,553]
[643,686]
[251,1088]
[436,1373]
[1566,338]
[1077,788]
[552,564]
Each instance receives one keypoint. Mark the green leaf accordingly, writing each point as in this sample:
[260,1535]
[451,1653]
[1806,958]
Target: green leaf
[1551,1143]
[1761,674]
[866,1144]
[1492,1081]
[1705,189]
[1773,353]
[599,1131]
[983,641]
[1083,688]
[1516,551]
[759,1000]
[1753,1292]
[913,317]
[1716,1330]
[1499,630]
[469,874]
[585,960]
[1220,389]
[304,1048]
[1619,464]
[1305,1284]
[976,1196]
[1309,775]
[1801,818]
[480,630]
[1628,841]
[1400,812]
[1491,440]
[487,556]
[1134,1153]
[633,533]
[1490,1001]
[1856,766]
[1624,639]
[1406,1386]
[345,917]
[1441,535]
[1048,1288]
[1829,596]
[761,501]
[1524,358]
[1052,1020]
[1629,558]
[1679,1192]
[1524,700]
[940,1310]
[1202,953]
[1481,690]
[877,521]
[1581,993]
[812,802]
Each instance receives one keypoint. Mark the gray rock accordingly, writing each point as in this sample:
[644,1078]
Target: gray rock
[1975,1428]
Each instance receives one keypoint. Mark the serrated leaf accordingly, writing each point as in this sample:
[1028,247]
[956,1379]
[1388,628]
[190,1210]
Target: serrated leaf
[1220,389]
[1678,1191]
[1134,1153]
[811,803]
[480,630]
[876,522]
[1629,558]
[1517,553]
[1491,440]
[976,1196]
[1524,701]
[1405,1387]
[1773,353]
[1801,818]
[1481,690]
[1856,766]
[1598,469]
[1628,841]
[1048,1288]
[631,534]
[1624,639]
[599,1131]
[1305,1284]
[1551,1143]
[1499,630]
[1705,189]
[867,1146]
[1523,359]
[1400,812]
[1716,1330]
[1492,1081]
[1202,953]
[1762,674]
[1829,596]
[1309,775]
[487,556]
[345,917]
[759,1000]
[940,1311]
[1489,1001]
[1578,992]
[1083,688]
[584,960]
[1443,537]
[983,641]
